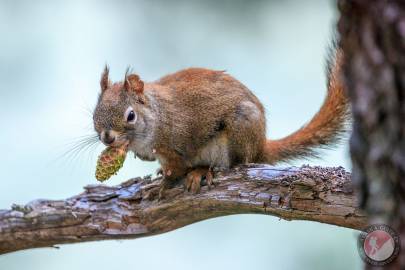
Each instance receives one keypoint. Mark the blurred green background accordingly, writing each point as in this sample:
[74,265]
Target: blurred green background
[51,57]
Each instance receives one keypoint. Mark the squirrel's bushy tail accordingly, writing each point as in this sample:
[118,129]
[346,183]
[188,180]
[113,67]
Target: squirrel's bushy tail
[325,128]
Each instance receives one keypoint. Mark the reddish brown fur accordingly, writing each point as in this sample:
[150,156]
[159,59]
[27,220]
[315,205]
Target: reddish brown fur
[199,118]
[324,129]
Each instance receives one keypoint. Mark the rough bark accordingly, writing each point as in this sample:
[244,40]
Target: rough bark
[373,40]
[132,209]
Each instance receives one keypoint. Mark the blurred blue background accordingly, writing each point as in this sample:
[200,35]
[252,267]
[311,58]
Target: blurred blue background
[51,57]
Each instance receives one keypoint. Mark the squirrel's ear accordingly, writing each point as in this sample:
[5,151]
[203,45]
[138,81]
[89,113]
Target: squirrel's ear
[133,83]
[105,82]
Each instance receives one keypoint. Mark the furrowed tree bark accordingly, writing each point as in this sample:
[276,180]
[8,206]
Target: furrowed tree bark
[132,209]
[373,40]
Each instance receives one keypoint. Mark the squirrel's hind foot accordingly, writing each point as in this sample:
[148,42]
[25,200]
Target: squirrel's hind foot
[192,182]
[195,177]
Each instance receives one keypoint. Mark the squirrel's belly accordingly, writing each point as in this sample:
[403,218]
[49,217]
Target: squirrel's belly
[214,154]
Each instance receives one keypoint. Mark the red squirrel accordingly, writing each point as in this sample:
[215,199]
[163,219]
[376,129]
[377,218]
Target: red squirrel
[197,119]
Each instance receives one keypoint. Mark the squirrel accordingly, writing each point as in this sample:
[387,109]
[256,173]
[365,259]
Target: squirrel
[198,119]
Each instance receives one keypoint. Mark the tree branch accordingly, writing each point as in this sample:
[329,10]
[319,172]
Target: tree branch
[132,210]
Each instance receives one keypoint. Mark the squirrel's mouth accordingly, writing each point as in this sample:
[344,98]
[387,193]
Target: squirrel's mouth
[112,138]
[120,143]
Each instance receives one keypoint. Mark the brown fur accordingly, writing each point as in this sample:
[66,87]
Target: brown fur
[199,118]
[324,129]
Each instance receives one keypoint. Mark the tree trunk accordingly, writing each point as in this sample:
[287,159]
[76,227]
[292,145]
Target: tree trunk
[373,40]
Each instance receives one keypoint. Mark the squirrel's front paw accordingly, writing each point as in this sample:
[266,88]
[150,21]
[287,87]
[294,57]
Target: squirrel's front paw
[194,178]
[168,181]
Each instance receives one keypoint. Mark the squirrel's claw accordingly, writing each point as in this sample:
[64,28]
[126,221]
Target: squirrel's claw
[209,178]
[193,181]
[195,177]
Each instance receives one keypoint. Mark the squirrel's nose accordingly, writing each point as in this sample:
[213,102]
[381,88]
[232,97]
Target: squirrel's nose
[107,137]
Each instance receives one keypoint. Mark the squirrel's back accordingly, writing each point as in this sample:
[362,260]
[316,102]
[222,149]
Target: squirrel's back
[208,102]
[204,105]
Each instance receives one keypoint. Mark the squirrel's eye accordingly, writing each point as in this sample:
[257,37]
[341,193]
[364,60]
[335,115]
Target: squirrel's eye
[131,116]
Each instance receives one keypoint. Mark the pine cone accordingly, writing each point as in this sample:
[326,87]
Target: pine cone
[109,162]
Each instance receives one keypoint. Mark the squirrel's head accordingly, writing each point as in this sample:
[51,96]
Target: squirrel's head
[119,117]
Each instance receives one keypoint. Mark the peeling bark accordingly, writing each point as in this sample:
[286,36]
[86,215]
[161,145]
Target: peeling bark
[132,210]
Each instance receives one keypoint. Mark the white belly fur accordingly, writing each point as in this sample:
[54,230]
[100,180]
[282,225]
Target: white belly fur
[214,154]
